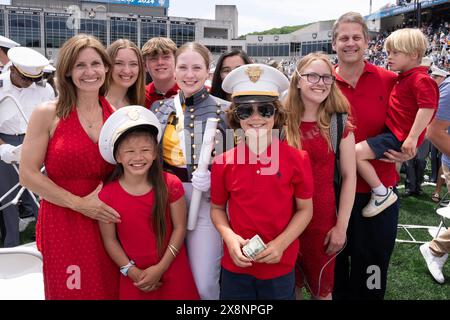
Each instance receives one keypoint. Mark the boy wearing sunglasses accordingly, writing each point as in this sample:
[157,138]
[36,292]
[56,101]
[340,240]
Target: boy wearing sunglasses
[267,187]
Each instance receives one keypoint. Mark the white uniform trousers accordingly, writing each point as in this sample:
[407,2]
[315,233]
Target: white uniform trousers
[204,247]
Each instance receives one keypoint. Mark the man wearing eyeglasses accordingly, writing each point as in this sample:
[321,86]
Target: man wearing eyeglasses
[21,82]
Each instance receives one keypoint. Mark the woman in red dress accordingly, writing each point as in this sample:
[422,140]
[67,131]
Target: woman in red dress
[148,243]
[63,135]
[313,98]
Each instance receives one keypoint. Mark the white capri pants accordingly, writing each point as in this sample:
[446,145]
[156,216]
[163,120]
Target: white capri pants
[204,247]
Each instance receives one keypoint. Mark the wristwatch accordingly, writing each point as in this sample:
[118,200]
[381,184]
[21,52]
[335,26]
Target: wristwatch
[124,269]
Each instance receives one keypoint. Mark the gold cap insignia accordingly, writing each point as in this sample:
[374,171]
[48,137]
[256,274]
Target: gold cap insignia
[254,73]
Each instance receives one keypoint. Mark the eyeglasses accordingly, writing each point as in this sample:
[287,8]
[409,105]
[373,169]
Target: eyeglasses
[315,78]
[245,110]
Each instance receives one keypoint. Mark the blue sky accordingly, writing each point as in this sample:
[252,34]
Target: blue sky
[258,15]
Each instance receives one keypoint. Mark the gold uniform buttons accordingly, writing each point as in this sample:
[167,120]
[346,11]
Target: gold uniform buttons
[191,110]
[191,125]
[192,116]
[192,135]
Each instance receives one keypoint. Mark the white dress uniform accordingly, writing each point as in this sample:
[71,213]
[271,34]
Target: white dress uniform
[7,43]
[12,131]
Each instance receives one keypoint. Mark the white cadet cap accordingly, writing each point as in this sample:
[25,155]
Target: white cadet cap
[49,69]
[439,72]
[121,121]
[255,80]
[8,43]
[27,61]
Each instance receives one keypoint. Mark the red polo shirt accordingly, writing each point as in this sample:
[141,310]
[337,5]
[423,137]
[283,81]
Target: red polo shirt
[369,107]
[151,95]
[260,192]
[413,90]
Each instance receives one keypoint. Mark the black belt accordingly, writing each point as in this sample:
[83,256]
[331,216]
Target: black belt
[181,173]
[13,135]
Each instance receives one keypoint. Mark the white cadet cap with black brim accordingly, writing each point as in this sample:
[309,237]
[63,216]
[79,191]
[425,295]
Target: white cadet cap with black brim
[252,83]
[27,61]
[49,69]
[8,43]
[122,121]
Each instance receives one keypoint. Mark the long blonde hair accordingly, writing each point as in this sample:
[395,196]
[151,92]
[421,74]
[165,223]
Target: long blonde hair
[67,57]
[335,102]
[135,93]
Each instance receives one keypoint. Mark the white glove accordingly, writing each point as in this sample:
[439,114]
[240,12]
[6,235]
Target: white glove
[9,153]
[201,180]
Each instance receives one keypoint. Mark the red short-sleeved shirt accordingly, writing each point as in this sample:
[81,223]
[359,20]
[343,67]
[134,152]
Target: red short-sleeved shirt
[152,96]
[261,196]
[413,90]
[138,240]
[369,107]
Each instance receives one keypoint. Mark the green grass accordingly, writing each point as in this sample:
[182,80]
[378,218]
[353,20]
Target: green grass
[408,277]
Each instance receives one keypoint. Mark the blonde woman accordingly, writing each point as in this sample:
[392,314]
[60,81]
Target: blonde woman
[63,135]
[312,100]
[127,77]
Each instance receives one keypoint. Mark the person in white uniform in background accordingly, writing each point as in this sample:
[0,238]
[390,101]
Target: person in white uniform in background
[5,45]
[23,82]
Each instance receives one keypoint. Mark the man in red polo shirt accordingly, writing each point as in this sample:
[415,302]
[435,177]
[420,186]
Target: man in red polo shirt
[159,59]
[361,269]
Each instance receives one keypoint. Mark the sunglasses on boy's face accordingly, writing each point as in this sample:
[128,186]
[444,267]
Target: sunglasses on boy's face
[245,110]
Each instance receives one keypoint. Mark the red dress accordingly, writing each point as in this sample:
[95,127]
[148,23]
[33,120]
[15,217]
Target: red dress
[138,240]
[312,256]
[76,265]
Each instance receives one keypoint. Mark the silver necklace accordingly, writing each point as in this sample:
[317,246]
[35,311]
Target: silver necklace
[90,124]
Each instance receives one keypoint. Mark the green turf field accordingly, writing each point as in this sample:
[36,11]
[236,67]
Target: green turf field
[408,276]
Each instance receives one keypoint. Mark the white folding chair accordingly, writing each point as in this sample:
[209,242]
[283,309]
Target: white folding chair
[21,276]
[443,210]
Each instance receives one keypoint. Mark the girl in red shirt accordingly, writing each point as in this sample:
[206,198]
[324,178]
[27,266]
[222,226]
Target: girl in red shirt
[147,244]
[313,98]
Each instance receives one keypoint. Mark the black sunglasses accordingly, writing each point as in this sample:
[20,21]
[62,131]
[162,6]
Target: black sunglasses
[245,110]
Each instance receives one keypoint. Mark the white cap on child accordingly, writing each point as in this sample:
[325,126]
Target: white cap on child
[255,80]
[122,121]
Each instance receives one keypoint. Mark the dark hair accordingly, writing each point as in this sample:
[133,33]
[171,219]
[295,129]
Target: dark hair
[279,121]
[4,49]
[155,178]
[216,84]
